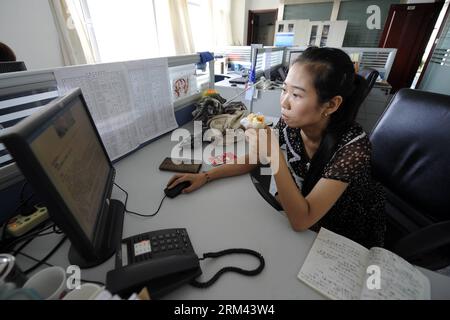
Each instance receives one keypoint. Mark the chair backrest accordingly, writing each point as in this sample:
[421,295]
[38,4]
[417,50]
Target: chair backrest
[371,75]
[12,66]
[411,151]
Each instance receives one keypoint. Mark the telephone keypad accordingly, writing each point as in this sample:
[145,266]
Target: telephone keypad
[157,244]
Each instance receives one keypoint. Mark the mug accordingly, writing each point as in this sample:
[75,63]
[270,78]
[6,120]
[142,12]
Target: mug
[87,291]
[10,271]
[49,283]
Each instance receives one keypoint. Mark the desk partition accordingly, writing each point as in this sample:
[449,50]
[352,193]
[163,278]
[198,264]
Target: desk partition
[23,93]
[380,59]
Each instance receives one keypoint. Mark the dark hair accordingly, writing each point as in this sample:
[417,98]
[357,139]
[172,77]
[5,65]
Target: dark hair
[6,53]
[333,75]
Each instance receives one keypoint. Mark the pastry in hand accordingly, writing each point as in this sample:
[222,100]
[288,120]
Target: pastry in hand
[255,121]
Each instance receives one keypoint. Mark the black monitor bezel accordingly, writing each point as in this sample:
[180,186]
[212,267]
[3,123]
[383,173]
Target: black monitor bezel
[17,141]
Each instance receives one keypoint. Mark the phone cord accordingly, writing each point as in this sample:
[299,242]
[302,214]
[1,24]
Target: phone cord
[211,281]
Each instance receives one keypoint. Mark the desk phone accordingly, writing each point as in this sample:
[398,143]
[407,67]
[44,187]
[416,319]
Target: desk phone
[160,260]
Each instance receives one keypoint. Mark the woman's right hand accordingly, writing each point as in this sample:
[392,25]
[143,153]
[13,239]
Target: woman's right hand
[197,180]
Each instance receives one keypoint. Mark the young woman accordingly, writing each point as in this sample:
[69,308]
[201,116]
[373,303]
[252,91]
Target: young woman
[325,179]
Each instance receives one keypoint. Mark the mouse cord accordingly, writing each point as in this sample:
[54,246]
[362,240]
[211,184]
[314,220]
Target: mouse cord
[135,213]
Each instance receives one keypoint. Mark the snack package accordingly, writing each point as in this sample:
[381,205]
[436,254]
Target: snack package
[222,159]
[255,121]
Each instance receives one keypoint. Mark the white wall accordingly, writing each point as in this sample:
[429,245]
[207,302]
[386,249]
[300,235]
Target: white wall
[28,28]
[263,4]
[238,29]
[239,16]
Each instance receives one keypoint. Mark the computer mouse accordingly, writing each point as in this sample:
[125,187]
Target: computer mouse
[175,191]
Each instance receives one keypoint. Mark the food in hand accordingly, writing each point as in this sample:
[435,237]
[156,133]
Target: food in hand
[255,121]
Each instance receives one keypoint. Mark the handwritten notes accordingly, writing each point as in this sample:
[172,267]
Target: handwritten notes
[399,279]
[337,267]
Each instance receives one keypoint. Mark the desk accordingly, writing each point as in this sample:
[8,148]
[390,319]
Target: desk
[227,213]
[267,101]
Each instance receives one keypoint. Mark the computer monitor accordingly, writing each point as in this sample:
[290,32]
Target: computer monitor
[61,154]
[293,55]
[12,66]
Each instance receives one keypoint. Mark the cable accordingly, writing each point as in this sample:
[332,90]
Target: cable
[41,262]
[139,214]
[198,284]
[57,230]
[51,265]
[26,237]
[22,189]
[147,215]
[22,246]
[34,259]
[92,281]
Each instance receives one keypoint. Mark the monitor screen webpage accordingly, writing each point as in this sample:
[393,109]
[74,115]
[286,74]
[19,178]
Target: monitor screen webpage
[71,154]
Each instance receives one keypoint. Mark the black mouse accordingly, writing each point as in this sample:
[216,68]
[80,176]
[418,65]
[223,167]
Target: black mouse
[175,191]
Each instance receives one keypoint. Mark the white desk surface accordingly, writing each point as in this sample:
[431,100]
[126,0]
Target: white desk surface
[227,213]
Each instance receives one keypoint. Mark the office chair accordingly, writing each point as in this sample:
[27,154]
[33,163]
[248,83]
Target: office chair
[262,185]
[12,66]
[411,158]
[371,75]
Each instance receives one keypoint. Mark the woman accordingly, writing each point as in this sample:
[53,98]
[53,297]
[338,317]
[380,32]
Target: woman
[326,179]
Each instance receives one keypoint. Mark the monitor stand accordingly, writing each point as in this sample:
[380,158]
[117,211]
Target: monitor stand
[112,238]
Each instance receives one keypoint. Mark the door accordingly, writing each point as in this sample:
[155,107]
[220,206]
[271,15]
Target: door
[261,27]
[408,28]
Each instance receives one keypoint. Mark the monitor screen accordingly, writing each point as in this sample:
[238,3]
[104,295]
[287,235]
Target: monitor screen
[293,56]
[68,150]
[284,40]
[12,66]
[60,153]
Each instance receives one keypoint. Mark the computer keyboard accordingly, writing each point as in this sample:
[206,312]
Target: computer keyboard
[241,80]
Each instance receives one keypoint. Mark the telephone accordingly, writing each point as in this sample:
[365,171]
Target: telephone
[160,260]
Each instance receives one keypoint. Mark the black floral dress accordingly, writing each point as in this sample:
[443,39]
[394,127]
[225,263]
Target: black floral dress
[359,213]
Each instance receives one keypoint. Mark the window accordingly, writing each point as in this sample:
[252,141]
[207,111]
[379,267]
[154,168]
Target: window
[127,30]
[357,34]
[198,16]
[311,11]
[210,24]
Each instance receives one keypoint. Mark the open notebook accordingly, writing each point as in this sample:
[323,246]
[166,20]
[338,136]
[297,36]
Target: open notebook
[340,268]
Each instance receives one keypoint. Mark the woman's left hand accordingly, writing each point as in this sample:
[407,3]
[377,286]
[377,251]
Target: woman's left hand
[263,144]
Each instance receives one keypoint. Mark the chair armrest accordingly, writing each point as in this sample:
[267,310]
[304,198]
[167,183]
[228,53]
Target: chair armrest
[424,240]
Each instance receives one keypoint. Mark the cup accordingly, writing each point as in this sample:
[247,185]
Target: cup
[87,291]
[10,271]
[49,283]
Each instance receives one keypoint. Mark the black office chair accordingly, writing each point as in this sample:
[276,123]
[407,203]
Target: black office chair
[12,66]
[411,158]
[371,75]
